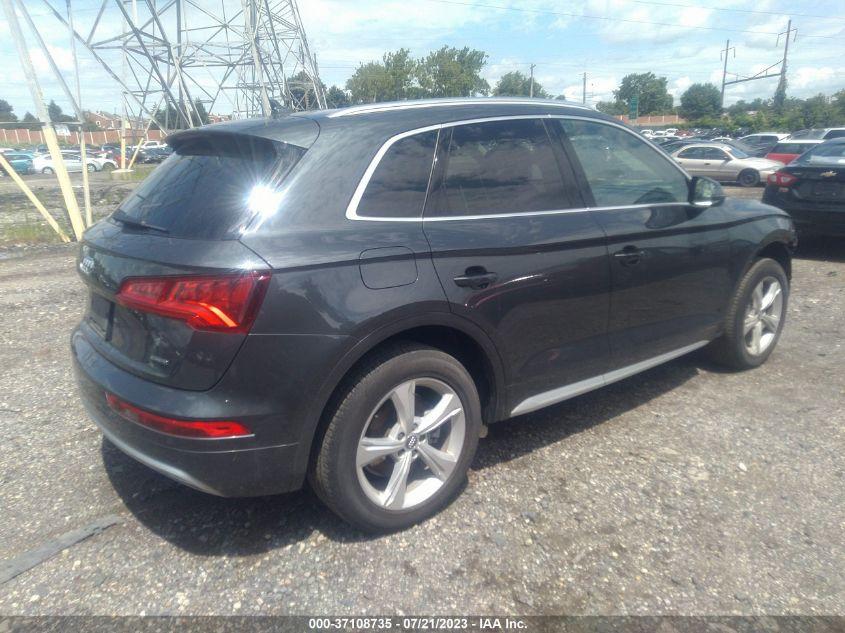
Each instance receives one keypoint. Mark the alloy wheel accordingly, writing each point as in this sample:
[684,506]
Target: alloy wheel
[762,316]
[411,444]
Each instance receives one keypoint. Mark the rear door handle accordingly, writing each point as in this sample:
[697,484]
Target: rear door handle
[475,277]
[629,256]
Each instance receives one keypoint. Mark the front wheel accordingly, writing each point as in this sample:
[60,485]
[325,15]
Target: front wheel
[92,167]
[755,317]
[400,439]
[47,171]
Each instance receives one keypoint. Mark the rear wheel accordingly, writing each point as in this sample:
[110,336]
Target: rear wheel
[47,170]
[400,439]
[749,178]
[755,317]
[92,167]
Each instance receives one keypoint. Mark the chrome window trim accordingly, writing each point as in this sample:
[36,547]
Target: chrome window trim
[559,394]
[352,207]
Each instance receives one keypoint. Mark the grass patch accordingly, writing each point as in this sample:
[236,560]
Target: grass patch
[32,233]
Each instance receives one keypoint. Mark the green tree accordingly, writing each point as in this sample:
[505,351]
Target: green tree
[336,97]
[452,72]
[651,91]
[614,108]
[701,100]
[199,115]
[6,112]
[516,84]
[302,89]
[30,122]
[56,114]
[392,79]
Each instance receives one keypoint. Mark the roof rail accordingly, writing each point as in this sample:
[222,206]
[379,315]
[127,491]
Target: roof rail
[435,103]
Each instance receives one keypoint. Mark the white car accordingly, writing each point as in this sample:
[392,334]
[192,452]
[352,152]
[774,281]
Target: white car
[647,133]
[671,131]
[43,164]
[153,145]
[725,164]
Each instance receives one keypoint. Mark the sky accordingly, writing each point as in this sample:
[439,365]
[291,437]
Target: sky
[678,39]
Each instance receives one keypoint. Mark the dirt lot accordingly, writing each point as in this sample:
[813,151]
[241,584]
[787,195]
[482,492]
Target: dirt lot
[684,490]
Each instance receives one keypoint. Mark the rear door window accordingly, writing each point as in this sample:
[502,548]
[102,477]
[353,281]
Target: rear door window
[398,185]
[499,167]
[210,187]
[692,152]
[621,168]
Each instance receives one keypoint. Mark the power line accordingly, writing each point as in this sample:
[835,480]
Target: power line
[585,16]
[757,11]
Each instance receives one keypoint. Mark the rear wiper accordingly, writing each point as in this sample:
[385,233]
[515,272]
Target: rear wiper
[138,224]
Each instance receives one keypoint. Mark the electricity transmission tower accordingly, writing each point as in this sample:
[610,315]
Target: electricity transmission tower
[174,58]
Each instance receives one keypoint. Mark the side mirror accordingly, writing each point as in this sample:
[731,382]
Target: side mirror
[705,192]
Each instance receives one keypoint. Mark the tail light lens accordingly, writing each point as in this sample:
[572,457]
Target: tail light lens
[208,429]
[781,179]
[227,303]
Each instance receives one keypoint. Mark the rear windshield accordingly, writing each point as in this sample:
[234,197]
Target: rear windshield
[207,188]
[833,154]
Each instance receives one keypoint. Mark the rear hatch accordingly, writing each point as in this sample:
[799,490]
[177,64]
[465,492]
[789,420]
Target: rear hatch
[172,290]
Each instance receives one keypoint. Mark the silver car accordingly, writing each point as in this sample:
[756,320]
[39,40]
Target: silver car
[725,164]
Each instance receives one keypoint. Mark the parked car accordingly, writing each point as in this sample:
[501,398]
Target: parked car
[156,154]
[361,290]
[20,162]
[43,164]
[788,150]
[762,143]
[725,164]
[103,163]
[812,189]
[153,145]
[647,133]
[822,134]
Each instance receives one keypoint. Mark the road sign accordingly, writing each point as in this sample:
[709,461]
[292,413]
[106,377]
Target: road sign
[634,107]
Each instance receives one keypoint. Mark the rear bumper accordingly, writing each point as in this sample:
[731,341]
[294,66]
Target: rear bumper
[828,219]
[238,467]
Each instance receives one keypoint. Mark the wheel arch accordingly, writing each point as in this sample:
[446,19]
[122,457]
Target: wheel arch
[442,330]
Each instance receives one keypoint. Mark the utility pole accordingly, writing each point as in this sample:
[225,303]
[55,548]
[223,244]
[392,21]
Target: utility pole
[531,88]
[727,50]
[584,90]
[781,89]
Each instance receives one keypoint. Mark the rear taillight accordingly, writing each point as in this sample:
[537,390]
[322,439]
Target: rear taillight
[781,179]
[208,429]
[227,303]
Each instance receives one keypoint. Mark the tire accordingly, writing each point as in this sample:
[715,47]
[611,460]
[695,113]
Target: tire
[364,412]
[91,167]
[749,178]
[735,348]
[108,167]
[47,170]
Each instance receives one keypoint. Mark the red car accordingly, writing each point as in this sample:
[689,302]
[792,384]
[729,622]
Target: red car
[787,151]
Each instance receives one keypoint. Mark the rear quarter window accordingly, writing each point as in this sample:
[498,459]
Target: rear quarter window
[398,185]
[206,188]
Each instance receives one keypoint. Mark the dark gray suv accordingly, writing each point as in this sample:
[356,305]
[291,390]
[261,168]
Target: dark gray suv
[350,295]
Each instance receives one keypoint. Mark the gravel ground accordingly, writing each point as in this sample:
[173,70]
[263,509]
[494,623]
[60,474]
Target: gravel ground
[684,490]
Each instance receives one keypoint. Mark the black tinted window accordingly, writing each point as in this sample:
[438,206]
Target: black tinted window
[834,134]
[210,188]
[621,168]
[397,187]
[713,153]
[499,167]
[692,152]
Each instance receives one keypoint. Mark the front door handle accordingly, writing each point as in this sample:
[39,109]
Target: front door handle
[475,277]
[629,256]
